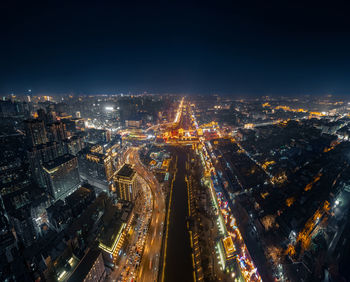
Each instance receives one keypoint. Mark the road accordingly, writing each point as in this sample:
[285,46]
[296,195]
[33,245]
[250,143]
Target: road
[149,267]
[129,260]
[171,123]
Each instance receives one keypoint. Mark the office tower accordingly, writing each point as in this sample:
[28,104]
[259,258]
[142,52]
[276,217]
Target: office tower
[35,131]
[97,167]
[62,176]
[126,183]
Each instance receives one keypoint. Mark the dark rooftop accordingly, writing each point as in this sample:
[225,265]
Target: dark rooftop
[126,171]
[59,161]
[33,121]
[43,146]
[112,222]
[85,265]
[79,194]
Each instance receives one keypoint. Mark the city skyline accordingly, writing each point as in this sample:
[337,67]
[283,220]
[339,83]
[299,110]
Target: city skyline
[135,187]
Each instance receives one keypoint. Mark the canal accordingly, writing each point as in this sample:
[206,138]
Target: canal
[178,265]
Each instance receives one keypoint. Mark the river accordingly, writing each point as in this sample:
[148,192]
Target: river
[178,265]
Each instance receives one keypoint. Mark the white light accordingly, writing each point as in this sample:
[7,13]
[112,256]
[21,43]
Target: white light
[61,275]
[109,108]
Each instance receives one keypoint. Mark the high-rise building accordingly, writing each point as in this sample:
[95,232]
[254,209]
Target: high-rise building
[126,183]
[44,153]
[51,116]
[74,145]
[13,165]
[42,115]
[35,131]
[97,167]
[57,131]
[62,176]
[74,125]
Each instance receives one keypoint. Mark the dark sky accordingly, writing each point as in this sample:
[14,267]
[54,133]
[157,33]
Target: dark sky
[228,47]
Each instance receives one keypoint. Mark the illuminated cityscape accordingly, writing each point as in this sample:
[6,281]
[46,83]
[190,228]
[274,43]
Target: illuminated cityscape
[193,141]
[221,188]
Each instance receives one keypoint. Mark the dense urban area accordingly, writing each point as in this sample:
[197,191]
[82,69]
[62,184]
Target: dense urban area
[174,188]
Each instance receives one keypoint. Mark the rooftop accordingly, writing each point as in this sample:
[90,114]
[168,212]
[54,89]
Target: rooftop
[85,265]
[126,171]
[33,121]
[79,194]
[57,162]
[112,223]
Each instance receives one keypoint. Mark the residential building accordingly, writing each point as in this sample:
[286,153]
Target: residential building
[35,131]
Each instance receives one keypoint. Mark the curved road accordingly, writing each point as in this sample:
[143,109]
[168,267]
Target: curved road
[149,266]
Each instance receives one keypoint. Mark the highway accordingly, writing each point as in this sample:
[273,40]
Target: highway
[129,258]
[149,267]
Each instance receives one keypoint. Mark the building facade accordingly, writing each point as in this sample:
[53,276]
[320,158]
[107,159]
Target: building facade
[62,176]
[44,153]
[97,167]
[126,183]
[35,132]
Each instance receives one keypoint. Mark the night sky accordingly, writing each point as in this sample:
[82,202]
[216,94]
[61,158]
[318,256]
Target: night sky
[225,47]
